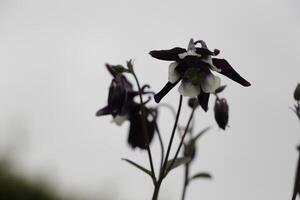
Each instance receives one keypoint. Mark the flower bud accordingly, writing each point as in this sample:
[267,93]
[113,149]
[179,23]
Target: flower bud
[297,93]
[118,93]
[190,150]
[221,112]
[193,102]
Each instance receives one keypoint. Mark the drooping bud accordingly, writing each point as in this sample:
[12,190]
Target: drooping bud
[193,102]
[297,93]
[190,150]
[221,112]
[118,94]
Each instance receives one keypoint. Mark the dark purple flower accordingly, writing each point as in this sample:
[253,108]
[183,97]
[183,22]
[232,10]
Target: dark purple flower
[221,112]
[120,92]
[192,66]
[122,107]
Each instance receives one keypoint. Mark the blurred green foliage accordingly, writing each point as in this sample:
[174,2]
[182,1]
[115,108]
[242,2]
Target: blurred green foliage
[16,187]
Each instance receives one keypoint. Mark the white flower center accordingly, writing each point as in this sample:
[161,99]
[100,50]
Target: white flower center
[119,119]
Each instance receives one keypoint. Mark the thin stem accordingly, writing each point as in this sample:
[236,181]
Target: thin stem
[169,107]
[182,140]
[298,109]
[173,113]
[156,190]
[172,135]
[297,179]
[162,170]
[145,131]
[186,180]
[161,145]
[187,165]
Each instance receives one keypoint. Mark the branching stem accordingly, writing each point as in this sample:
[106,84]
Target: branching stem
[145,131]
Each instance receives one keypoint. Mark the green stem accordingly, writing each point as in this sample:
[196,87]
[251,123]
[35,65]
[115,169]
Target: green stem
[172,136]
[186,180]
[162,170]
[297,179]
[181,142]
[145,131]
[298,110]
[156,190]
[173,113]
[161,145]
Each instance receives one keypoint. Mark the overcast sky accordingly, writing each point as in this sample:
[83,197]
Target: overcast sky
[53,80]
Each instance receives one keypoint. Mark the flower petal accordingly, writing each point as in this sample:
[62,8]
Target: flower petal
[173,74]
[164,91]
[186,88]
[191,46]
[116,97]
[189,53]
[119,119]
[208,60]
[103,111]
[209,83]
[204,51]
[203,99]
[136,137]
[228,71]
[169,55]
[111,70]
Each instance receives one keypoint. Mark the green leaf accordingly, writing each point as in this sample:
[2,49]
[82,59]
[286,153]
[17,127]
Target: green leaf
[119,68]
[177,162]
[130,65]
[138,166]
[205,175]
[220,89]
[201,133]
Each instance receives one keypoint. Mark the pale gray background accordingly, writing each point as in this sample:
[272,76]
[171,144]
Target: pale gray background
[52,81]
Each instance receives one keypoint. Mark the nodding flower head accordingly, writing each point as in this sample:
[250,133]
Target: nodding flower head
[122,107]
[193,66]
[221,112]
[120,93]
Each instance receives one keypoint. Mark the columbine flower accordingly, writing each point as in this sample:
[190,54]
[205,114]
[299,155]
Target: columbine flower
[192,66]
[120,93]
[122,107]
[221,112]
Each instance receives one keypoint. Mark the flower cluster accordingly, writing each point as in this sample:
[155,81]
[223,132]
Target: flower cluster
[193,66]
[121,106]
